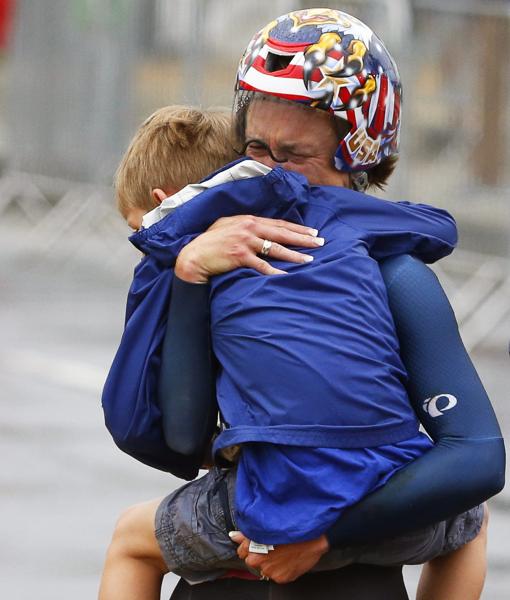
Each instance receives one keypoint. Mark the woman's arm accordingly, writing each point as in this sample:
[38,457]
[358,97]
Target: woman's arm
[464,468]
[186,389]
[467,464]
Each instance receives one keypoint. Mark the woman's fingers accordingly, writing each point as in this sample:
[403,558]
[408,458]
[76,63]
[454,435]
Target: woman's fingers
[239,538]
[253,232]
[251,221]
[274,230]
[262,266]
[279,252]
[233,242]
[282,224]
[287,237]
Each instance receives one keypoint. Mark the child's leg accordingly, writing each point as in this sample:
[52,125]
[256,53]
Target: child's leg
[134,567]
[459,575]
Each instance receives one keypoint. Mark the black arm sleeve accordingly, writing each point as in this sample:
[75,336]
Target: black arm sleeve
[186,389]
[467,464]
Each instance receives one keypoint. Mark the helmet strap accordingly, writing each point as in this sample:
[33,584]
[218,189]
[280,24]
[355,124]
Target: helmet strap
[359,181]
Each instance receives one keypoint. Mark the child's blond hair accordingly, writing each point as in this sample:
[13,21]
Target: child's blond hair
[175,146]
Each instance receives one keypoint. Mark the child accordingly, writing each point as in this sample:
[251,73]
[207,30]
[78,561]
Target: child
[156,165]
[175,146]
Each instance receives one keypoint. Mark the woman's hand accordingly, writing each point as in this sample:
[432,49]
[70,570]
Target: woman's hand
[233,242]
[286,562]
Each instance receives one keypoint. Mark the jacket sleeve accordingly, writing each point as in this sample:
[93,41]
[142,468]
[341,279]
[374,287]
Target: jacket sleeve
[129,399]
[395,228]
[467,464]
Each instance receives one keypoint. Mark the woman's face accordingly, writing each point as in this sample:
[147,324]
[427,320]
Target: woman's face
[304,137]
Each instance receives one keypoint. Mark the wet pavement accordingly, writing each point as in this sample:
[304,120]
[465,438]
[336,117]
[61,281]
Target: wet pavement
[62,481]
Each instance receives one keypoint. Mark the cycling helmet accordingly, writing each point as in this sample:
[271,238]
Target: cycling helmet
[326,59]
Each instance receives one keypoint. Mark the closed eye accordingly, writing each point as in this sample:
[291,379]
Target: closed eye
[255,147]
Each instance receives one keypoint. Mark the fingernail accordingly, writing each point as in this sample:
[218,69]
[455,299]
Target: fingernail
[307,258]
[232,534]
[319,241]
[314,232]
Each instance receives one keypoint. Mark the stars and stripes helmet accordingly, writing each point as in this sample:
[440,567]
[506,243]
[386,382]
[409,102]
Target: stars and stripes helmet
[329,60]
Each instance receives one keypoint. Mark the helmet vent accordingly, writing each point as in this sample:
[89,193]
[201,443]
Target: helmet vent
[277,62]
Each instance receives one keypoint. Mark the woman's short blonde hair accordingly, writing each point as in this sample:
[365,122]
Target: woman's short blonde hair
[175,146]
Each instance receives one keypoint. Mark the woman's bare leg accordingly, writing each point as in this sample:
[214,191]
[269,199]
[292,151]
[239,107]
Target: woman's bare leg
[459,575]
[134,568]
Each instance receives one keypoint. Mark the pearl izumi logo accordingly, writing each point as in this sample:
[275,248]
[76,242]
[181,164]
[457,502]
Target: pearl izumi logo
[437,405]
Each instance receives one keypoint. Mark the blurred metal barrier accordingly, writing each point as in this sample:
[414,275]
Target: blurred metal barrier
[66,222]
[63,221]
[478,286]
[69,87]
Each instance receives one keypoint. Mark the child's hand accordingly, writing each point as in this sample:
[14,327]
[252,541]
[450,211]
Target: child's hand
[233,242]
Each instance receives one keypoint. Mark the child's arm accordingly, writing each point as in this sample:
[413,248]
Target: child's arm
[467,464]
[395,228]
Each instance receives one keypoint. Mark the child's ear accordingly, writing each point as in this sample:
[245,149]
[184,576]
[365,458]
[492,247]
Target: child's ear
[159,195]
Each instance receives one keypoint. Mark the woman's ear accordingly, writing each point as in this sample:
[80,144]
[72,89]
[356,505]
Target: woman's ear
[159,195]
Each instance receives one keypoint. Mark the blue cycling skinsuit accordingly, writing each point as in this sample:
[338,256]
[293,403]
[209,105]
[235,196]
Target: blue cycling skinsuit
[400,425]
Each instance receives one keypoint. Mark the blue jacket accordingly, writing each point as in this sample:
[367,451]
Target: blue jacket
[268,333]
[437,485]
